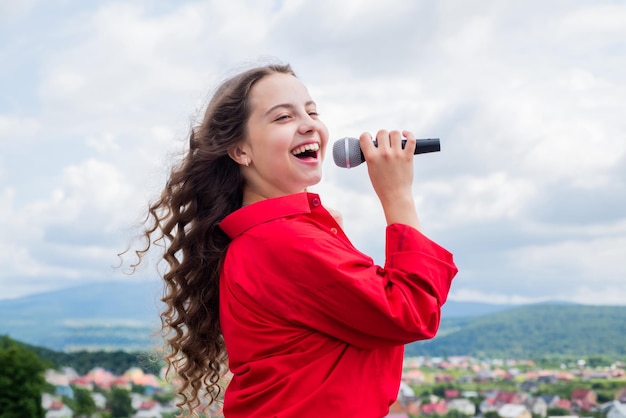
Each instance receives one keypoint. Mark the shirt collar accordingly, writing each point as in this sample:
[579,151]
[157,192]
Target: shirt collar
[266,210]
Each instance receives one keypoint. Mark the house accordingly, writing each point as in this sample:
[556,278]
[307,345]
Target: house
[548,379]
[469,394]
[82,382]
[464,406]
[438,408]
[137,400]
[101,377]
[487,405]
[565,376]
[122,382]
[620,396]
[99,400]
[59,410]
[444,378]
[149,409]
[465,379]
[564,403]
[449,394]
[618,410]
[514,411]
[413,376]
[47,400]
[504,397]
[537,406]
[490,393]
[584,399]
[484,376]
[551,400]
[402,407]
[405,392]
[529,386]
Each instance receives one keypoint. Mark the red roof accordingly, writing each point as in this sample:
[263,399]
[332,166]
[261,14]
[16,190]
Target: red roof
[507,397]
[451,393]
[439,408]
[147,405]
[55,406]
[564,403]
[580,394]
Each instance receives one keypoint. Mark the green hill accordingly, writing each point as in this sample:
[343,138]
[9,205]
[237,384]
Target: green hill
[532,331]
[124,316]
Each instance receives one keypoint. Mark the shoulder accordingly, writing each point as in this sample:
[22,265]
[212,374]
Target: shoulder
[282,231]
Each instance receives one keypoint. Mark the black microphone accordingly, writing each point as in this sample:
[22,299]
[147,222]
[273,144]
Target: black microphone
[347,151]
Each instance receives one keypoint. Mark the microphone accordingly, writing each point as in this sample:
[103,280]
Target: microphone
[347,151]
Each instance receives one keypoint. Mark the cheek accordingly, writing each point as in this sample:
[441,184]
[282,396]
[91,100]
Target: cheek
[324,135]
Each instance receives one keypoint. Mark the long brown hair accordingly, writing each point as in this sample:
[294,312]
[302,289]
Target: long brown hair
[201,190]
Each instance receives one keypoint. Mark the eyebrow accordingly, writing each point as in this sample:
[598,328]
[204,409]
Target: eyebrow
[288,106]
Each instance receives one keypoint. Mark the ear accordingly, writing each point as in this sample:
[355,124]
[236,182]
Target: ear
[239,155]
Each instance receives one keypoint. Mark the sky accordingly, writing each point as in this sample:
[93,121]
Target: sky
[526,96]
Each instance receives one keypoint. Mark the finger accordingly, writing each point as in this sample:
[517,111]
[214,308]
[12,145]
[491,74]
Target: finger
[382,138]
[366,142]
[410,142]
[395,139]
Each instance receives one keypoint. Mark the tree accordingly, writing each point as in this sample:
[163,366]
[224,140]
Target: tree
[120,403]
[84,403]
[455,414]
[558,411]
[21,381]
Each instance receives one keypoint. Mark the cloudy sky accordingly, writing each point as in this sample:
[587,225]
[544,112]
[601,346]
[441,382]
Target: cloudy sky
[528,191]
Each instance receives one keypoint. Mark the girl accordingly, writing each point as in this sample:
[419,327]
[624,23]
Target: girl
[262,279]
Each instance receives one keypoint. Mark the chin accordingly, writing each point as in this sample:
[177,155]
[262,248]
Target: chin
[315,181]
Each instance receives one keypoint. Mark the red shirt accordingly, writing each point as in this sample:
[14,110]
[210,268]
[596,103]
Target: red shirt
[313,328]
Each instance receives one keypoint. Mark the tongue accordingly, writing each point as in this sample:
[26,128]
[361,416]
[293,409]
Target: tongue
[306,154]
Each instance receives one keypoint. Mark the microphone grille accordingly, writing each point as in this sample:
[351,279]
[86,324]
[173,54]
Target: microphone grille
[347,152]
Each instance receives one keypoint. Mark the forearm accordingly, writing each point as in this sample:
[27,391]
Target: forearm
[401,210]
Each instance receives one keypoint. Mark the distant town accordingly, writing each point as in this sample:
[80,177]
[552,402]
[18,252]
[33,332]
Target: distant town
[453,387]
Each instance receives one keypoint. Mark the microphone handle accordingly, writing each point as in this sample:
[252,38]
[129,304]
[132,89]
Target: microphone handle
[422,146]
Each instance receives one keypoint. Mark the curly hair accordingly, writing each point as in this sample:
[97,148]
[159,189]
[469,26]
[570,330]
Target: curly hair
[204,187]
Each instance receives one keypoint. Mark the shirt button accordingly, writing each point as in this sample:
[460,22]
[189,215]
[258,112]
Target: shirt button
[333,230]
[315,201]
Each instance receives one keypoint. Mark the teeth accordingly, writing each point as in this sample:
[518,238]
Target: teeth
[307,147]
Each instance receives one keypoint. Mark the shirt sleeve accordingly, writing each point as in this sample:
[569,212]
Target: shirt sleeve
[318,280]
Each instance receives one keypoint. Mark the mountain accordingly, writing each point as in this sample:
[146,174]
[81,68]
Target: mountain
[108,315]
[124,315]
[113,315]
[530,331]
[454,309]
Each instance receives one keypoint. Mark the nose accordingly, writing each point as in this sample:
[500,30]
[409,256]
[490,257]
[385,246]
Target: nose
[309,125]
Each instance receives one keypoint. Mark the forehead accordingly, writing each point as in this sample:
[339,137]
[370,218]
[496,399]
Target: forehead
[278,89]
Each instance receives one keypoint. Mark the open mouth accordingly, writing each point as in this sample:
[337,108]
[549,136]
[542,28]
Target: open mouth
[306,151]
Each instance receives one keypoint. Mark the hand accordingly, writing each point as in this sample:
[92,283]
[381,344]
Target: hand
[390,168]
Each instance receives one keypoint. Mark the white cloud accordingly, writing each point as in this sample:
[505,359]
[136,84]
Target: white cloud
[104,143]
[591,259]
[10,10]
[476,199]
[16,130]
[469,295]
[526,97]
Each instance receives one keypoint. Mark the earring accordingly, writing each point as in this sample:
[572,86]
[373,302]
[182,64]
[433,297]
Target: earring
[246,162]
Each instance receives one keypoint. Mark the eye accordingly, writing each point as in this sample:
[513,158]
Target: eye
[313,113]
[282,117]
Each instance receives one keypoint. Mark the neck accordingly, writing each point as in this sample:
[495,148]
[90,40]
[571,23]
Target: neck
[251,196]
